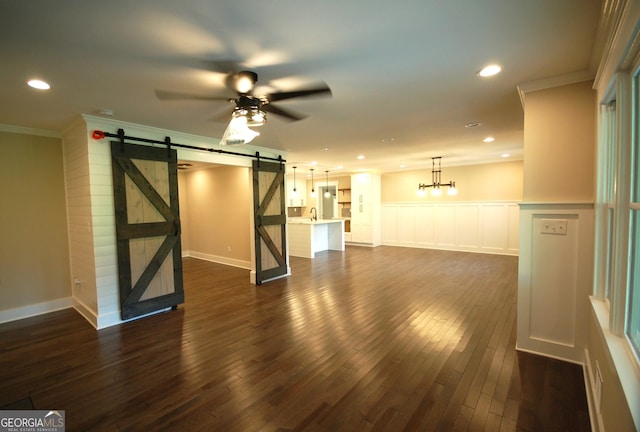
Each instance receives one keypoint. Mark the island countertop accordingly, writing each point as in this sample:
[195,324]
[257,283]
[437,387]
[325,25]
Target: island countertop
[309,221]
[307,236]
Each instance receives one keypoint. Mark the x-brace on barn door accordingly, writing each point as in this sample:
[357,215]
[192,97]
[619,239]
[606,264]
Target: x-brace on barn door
[145,185]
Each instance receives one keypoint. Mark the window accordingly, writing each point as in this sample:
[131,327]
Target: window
[608,142]
[616,300]
[633,312]
[632,325]
[618,209]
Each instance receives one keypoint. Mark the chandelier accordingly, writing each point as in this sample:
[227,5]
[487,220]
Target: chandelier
[436,181]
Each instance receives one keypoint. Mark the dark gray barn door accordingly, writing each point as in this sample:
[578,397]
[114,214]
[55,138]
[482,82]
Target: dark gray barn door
[145,186]
[269,220]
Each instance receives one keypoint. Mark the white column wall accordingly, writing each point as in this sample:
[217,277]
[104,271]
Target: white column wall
[555,280]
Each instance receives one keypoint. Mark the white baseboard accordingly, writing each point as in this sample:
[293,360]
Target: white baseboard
[35,309]
[454,248]
[219,259]
[113,318]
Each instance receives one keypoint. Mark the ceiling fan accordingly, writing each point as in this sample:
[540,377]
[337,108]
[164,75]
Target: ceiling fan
[247,104]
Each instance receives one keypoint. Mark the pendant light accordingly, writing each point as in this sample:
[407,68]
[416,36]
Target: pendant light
[327,194]
[295,191]
[313,190]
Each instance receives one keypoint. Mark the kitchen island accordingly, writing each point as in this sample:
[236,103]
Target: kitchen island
[307,237]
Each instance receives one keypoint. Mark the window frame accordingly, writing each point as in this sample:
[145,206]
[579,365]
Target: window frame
[633,209]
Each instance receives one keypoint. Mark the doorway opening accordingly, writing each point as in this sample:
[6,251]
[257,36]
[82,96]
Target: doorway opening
[328,206]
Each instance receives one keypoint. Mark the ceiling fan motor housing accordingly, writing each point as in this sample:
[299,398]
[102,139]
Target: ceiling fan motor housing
[251,108]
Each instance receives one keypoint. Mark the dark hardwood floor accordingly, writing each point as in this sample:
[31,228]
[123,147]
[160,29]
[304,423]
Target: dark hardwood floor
[385,338]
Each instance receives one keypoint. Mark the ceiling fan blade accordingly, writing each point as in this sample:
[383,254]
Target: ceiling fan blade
[289,115]
[223,116]
[171,95]
[223,66]
[278,96]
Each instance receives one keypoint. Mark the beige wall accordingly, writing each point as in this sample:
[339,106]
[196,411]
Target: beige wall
[183,202]
[215,206]
[559,144]
[487,182]
[34,255]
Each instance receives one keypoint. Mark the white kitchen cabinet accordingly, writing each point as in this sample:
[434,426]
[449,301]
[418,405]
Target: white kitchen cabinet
[366,209]
[299,200]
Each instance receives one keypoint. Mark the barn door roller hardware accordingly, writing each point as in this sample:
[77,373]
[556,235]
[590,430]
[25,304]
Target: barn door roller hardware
[98,135]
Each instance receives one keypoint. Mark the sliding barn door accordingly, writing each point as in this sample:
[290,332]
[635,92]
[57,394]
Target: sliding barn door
[145,186]
[270,220]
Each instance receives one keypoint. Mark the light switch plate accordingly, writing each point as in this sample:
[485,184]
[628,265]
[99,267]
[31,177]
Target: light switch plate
[554,226]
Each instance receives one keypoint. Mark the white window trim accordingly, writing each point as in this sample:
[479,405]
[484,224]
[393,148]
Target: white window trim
[622,193]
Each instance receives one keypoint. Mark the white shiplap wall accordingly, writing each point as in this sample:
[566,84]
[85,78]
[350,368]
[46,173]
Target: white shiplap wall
[79,221]
[104,233]
[484,227]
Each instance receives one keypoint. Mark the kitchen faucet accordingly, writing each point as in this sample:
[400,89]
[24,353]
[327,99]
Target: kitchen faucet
[314,213]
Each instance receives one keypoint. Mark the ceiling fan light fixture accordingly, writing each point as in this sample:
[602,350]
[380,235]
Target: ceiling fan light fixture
[238,133]
[253,116]
[245,81]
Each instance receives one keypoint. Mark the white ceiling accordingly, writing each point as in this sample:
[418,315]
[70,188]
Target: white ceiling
[403,70]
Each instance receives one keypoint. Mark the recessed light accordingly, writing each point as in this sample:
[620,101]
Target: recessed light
[403,166]
[314,163]
[489,139]
[360,157]
[472,125]
[38,84]
[325,149]
[505,155]
[489,70]
[388,139]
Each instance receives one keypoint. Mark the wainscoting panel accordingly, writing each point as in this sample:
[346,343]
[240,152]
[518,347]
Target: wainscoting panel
[425,231]
[471,226]
[446,226]
[467,219]
[406,219]
[494,221]
[555,279]
[554,276]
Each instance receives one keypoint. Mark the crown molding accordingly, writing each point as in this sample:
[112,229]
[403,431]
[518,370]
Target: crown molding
[618,34]
[30,131]
[551,82]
